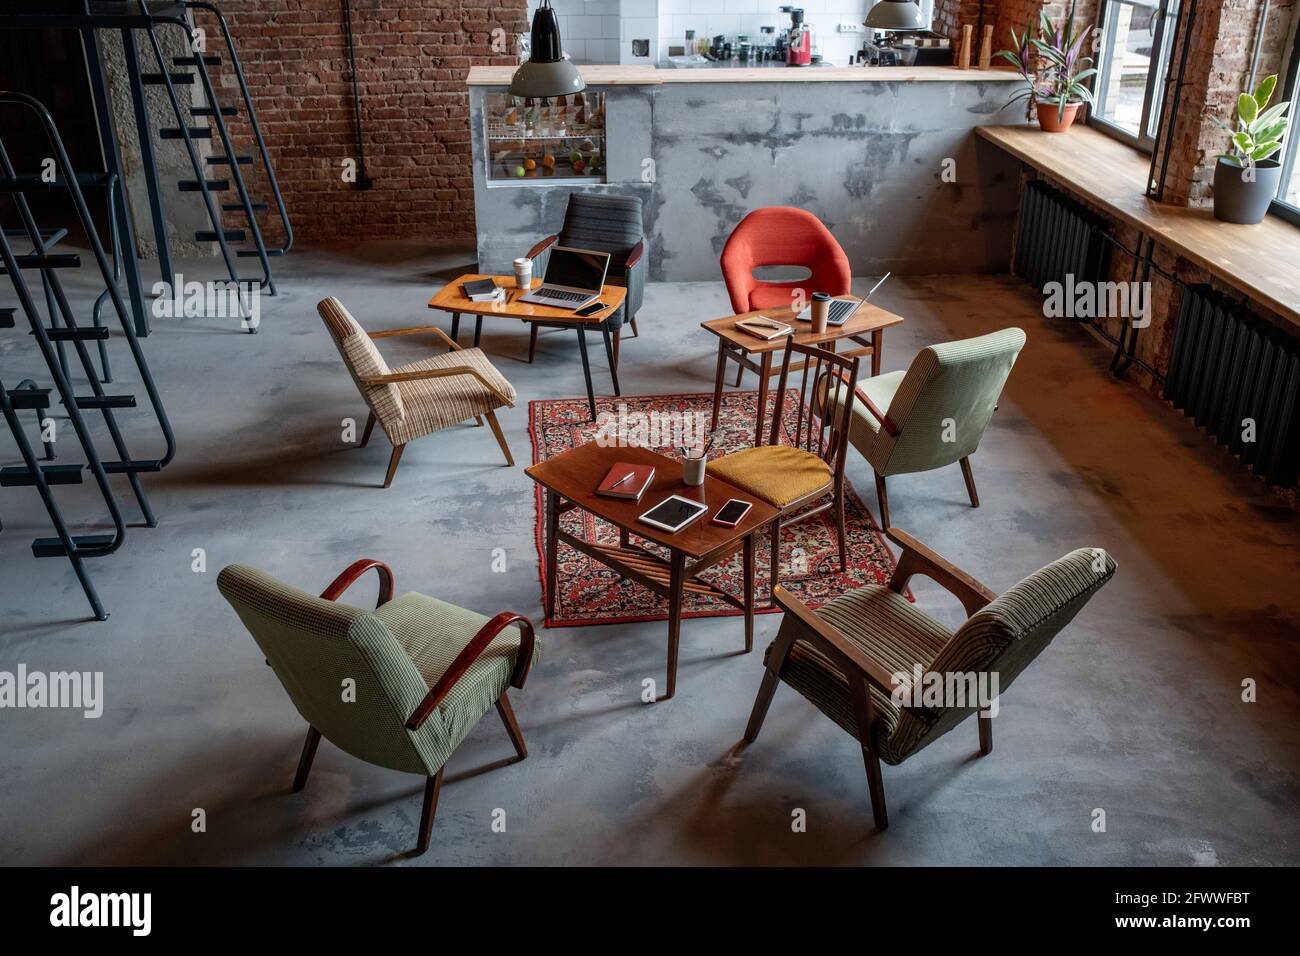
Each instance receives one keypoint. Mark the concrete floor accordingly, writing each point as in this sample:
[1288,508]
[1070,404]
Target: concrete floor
[1135,709]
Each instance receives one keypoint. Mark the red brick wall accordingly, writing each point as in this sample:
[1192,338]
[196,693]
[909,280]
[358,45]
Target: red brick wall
[412,58]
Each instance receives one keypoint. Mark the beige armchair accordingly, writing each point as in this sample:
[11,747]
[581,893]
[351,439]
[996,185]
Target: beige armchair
[414,400]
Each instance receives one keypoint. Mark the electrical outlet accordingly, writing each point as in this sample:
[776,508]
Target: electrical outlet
[849,28]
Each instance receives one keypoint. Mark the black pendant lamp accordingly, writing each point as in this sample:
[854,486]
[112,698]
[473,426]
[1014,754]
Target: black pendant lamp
[546,72]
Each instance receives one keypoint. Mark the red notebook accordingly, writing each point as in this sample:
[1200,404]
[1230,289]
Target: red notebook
[627,481]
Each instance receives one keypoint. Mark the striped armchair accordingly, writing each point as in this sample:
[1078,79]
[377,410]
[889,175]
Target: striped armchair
[846,657]
[399,687]
[423,397]
[935,413]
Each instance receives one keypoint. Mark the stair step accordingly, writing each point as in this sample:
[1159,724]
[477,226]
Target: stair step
[18,476]
[230,235]
[225,160]
[239,207]
[105,401]
[25,181]
[196,132]
[156,79]
[7,318]
[49,237]
[252,253]
[28,398]
[192,185]
[128,467]
[208,60]
[89,333]
[46,262]
[53,547]
[209,111]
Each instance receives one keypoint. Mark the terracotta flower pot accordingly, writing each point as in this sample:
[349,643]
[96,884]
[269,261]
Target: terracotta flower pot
[1050,120]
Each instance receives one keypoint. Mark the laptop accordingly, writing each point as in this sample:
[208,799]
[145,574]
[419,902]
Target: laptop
[574,277]
[841,310]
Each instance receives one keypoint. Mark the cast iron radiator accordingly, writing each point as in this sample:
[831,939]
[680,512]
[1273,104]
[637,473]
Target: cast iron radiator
[1057,236]
[1239,379]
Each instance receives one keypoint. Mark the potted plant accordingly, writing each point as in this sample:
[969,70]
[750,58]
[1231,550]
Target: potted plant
[1246,179]
[1053,69]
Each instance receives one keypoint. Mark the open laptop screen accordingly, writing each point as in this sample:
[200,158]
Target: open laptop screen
[579,268]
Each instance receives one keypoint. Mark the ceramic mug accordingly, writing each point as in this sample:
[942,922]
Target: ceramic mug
[693,470]
[523,273]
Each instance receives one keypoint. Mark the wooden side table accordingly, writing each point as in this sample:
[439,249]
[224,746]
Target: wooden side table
[570,480]
[451,299]
[866,329]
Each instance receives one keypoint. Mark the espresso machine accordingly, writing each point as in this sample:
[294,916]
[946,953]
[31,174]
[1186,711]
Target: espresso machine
[798,39]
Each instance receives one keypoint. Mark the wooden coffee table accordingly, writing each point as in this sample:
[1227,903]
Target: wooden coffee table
[738,345]
[569,481]
[451,299]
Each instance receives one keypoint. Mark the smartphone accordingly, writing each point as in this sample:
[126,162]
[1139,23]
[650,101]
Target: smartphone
[591,309]
[730,514]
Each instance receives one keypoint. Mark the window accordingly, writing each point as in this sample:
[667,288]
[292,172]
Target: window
[1132,58]
[1288,194]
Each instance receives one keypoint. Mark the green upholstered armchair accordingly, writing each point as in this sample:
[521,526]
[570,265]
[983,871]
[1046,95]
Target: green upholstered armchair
[399,687]
[935,413]
[844,657]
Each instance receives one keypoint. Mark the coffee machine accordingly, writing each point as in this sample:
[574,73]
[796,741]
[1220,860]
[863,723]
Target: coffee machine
[798,39]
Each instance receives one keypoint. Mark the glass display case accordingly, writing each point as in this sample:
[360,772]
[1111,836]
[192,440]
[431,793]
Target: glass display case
[559,140]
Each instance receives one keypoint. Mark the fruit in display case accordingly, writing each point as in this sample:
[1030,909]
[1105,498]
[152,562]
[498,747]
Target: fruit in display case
[530,164]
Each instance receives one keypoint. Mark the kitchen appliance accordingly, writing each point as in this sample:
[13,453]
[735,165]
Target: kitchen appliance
[798,39]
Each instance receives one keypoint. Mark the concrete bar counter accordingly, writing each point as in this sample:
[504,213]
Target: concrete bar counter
[886,156]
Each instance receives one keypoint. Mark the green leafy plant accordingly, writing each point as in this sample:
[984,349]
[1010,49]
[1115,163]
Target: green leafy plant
[1052,63]
[1260,127]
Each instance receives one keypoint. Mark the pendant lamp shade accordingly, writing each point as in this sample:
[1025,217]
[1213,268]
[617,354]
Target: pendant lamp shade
[546,72]
[896,15]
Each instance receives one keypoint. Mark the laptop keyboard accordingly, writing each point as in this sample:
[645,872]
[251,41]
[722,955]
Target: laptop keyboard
[559,295]
[839,311]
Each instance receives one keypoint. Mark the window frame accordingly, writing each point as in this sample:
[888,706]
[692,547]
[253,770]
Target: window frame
[1290,83]
[1143,140]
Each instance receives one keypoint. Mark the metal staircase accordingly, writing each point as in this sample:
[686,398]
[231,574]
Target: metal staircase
[54,334]
[233,222]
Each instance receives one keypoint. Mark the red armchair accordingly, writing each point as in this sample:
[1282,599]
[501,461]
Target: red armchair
[782,236]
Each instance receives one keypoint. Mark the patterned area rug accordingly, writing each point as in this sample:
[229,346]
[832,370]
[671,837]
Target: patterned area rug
[590,593]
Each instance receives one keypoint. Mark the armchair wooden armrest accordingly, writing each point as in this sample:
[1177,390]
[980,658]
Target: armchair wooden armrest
[394,377]
[415,330]
[476,646]
[542,246]
[353,572]
[830,639]
[918,559]
[634,256]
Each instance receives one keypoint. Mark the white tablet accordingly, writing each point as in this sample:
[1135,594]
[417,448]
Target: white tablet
[674,513]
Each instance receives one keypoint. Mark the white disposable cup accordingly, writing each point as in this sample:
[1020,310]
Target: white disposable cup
[523,273]
[693,470]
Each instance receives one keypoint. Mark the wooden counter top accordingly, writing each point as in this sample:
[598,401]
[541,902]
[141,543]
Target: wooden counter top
[618,75]
[1261,261]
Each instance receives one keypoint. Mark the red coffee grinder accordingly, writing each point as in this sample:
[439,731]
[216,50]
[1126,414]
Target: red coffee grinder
[799,39]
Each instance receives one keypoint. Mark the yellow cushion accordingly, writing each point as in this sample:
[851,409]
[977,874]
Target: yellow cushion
[777,474]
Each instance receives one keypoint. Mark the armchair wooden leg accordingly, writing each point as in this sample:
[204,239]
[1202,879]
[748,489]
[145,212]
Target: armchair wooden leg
[970,483]
[618,334]
[432,787]
[636,334]
[512,726]
[501,439]
[305,761]
[766,690]
[774,577]
[370,426]
[532,342]
[863,709]
[883,497]
[392,464]
[986,734]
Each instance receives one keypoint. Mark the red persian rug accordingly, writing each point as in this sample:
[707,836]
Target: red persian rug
[590,593]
